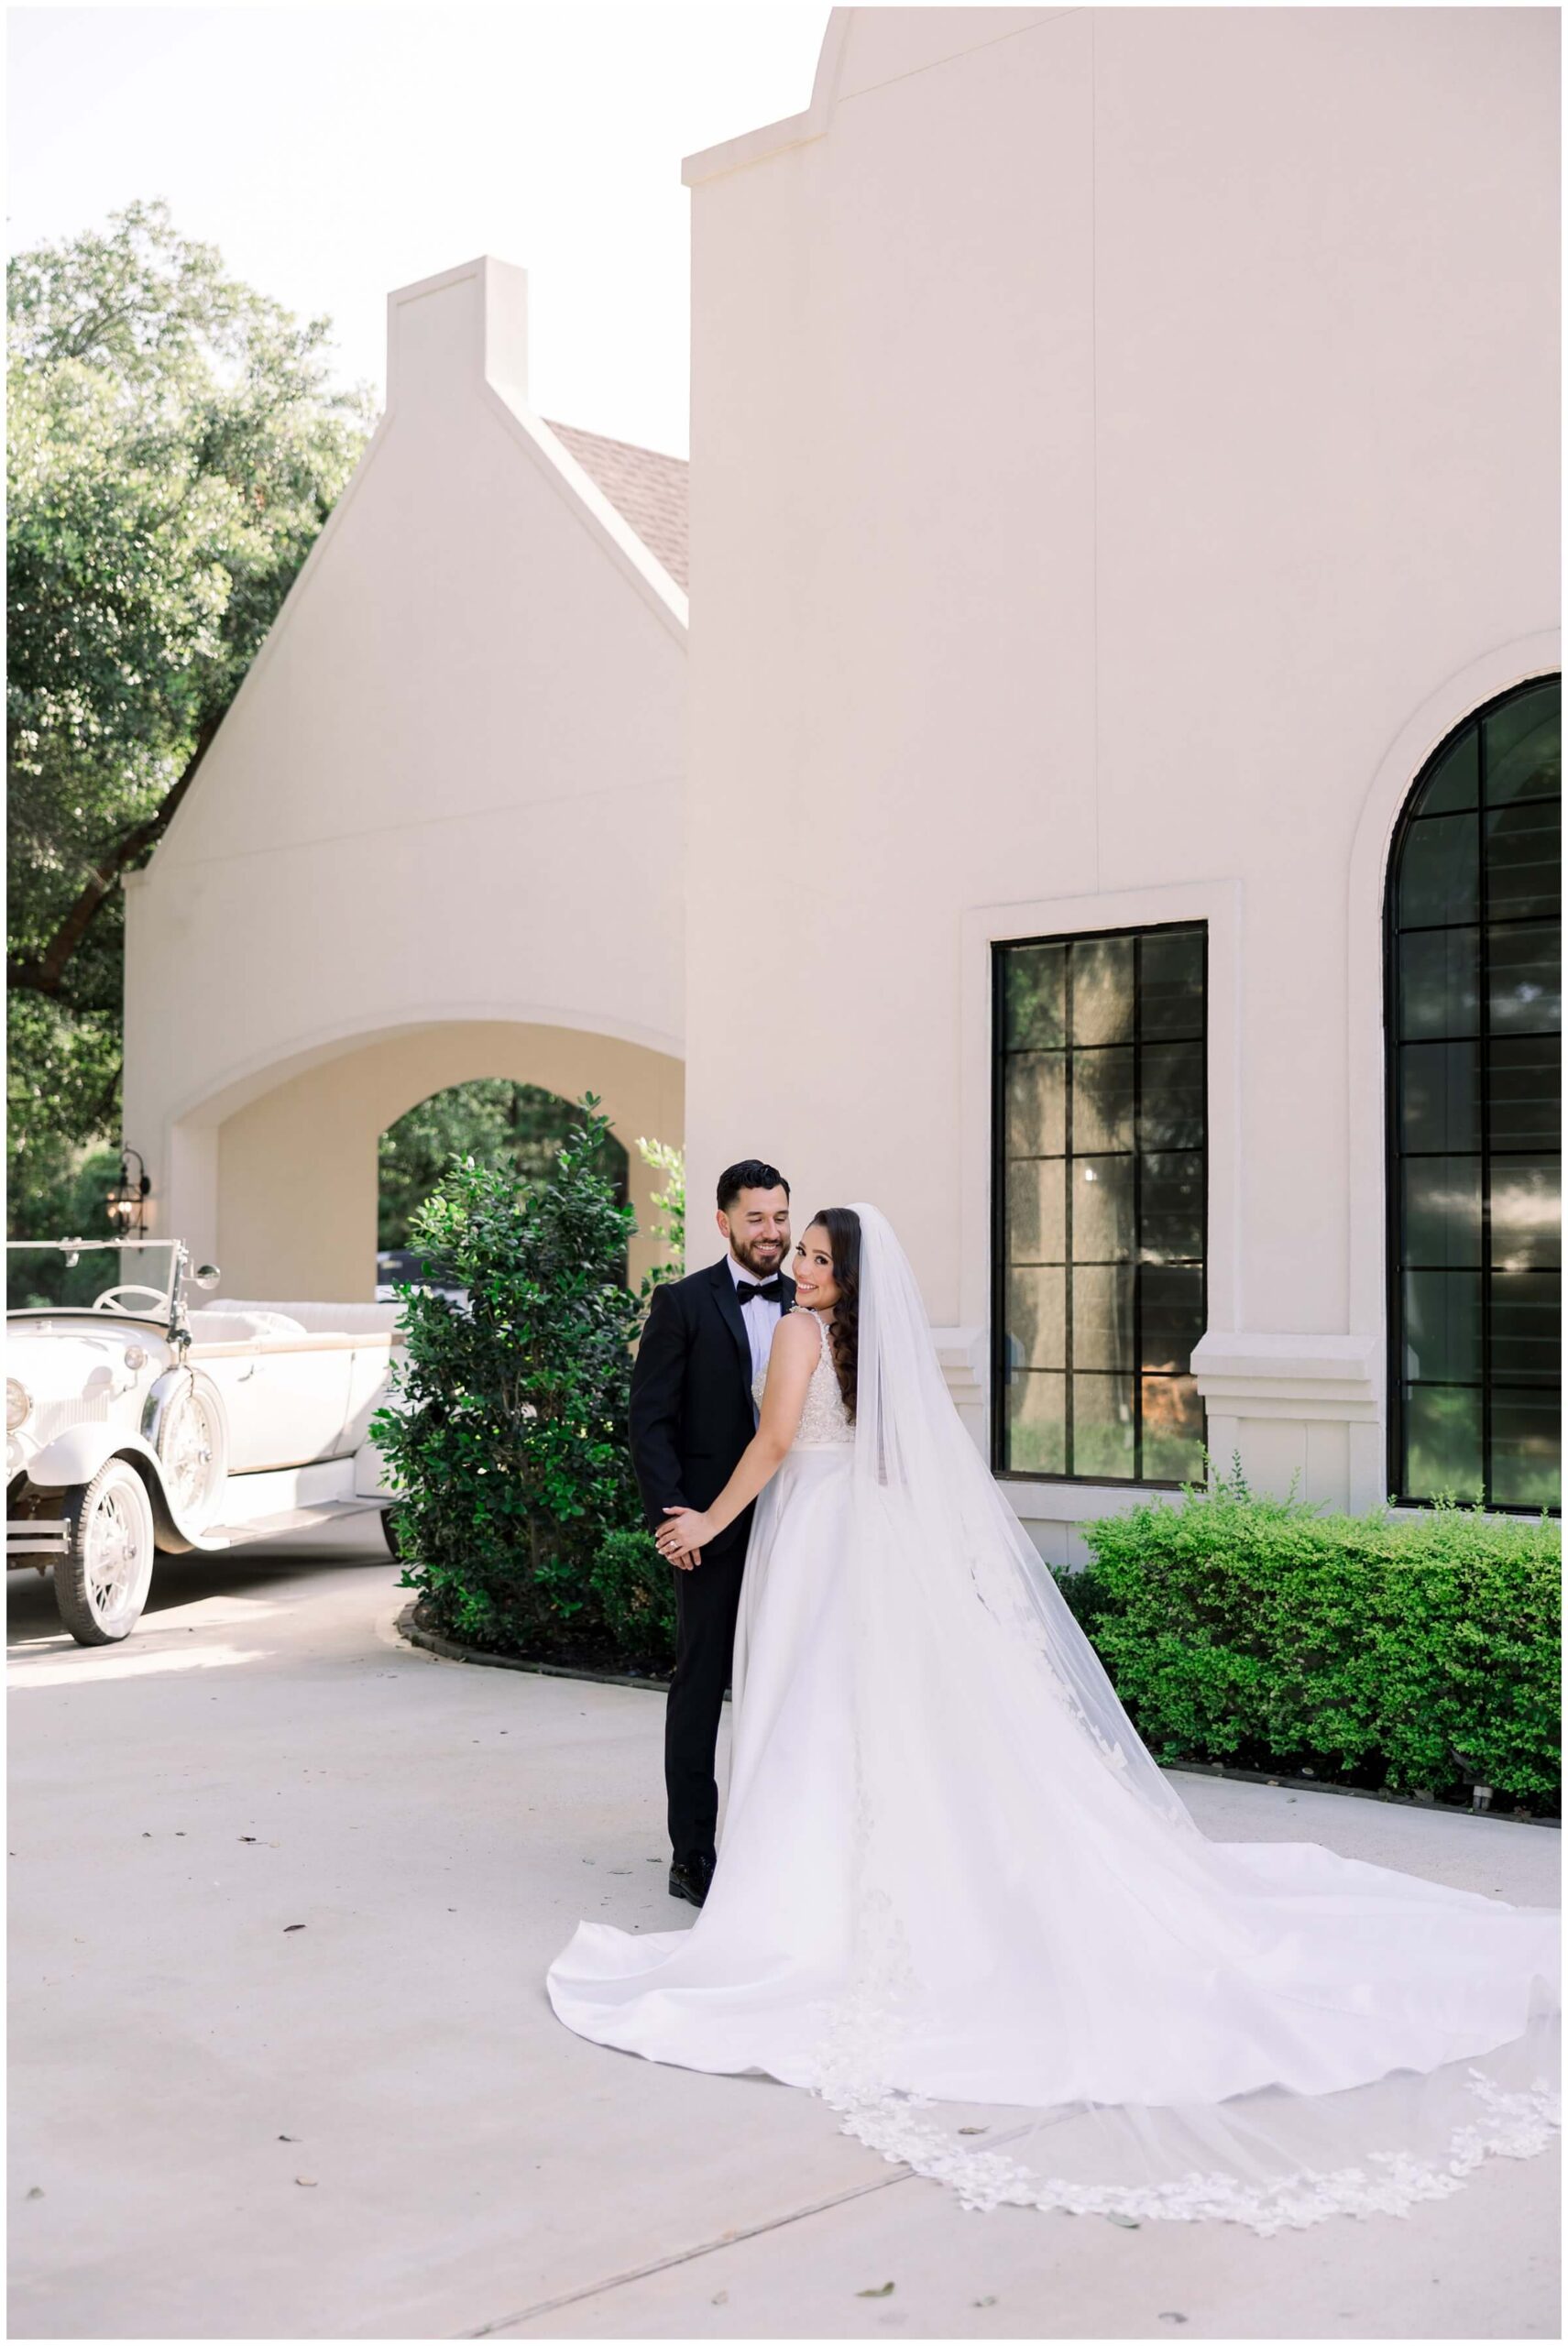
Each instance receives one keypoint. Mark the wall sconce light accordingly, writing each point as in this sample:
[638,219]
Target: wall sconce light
[125,1201]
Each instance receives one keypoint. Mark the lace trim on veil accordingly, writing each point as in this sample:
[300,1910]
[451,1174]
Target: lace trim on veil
[861,2030]
[1508,2125]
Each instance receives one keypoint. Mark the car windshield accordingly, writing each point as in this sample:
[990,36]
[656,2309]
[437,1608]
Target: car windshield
[75,1272]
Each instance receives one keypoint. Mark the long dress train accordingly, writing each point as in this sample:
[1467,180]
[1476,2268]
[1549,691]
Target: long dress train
[949,1873]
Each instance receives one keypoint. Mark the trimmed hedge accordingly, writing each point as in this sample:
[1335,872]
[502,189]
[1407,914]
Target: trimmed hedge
[1420,1655]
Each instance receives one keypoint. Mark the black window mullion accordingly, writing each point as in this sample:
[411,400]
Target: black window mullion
[1203,1226]
[1138,1363]
[1482,1078]
[1000,1239]
[1180,988]
[1068,1087]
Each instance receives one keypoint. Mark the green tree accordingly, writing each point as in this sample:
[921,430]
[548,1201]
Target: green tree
[174,448]
[514,1128]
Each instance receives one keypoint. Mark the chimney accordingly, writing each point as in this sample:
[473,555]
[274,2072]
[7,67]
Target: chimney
[466,326]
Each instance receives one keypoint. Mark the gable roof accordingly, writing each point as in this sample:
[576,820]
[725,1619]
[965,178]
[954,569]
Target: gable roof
[647,489]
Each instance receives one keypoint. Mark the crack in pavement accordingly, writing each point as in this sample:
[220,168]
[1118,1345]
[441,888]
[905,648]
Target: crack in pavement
[709,2247]
[683,2256]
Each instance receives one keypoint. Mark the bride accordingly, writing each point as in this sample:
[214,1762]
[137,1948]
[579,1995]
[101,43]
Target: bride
[951,1873]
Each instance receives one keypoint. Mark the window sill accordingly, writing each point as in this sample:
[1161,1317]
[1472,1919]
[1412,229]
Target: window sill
[1061,1500]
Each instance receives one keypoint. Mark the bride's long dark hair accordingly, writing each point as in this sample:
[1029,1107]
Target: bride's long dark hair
[842,1225]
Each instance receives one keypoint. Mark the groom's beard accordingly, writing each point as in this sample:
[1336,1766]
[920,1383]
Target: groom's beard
[760,1256]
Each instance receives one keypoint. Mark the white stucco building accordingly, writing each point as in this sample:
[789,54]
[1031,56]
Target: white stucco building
[1125,452]
[1123,568]
[437,833]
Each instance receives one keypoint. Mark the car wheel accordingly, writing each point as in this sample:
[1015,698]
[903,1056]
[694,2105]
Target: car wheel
[193,1450]
[389,1533]
[102,1580]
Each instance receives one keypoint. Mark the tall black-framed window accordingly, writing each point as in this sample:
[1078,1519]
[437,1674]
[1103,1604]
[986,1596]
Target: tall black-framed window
[1473,1017]
[1100,1188]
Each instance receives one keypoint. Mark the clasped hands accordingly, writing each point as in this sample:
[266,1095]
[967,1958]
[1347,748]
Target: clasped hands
[680,1541]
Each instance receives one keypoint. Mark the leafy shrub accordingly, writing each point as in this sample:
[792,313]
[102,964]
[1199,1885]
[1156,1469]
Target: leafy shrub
[1418,1654]
[507,1429]
[634,1589]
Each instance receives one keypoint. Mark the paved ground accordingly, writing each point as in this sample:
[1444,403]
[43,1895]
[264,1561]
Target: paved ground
[373,2126]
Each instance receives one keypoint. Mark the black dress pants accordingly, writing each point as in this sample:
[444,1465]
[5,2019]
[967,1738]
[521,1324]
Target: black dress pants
[707,1599]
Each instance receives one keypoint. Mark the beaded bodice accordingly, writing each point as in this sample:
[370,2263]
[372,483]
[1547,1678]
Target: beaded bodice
[824,1421]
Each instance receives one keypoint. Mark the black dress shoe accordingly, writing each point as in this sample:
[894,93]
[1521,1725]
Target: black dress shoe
[689,1876]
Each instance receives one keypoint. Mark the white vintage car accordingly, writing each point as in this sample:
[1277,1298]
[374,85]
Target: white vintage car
[134,1423]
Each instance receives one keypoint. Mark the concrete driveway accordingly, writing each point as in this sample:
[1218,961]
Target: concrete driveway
[371,2126]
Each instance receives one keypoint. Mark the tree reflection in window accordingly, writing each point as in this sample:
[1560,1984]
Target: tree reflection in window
[1474,1019]
[1100,1205]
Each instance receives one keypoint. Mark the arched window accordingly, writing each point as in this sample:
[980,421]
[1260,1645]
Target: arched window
[1474,1018]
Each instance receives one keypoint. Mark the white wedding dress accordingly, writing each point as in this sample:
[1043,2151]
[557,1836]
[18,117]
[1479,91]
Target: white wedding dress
[949,1872]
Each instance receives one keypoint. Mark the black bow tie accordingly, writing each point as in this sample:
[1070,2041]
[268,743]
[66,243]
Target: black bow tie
[770,1290]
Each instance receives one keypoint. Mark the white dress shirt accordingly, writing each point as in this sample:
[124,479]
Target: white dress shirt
[760,1316]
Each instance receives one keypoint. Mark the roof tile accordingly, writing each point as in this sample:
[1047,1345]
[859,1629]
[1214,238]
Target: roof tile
[647,489]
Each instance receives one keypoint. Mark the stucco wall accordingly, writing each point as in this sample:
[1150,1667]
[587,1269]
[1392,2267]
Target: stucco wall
[1117,436]
[447,798]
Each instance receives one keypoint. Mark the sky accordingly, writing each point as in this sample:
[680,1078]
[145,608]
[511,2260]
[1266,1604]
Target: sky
[334,152]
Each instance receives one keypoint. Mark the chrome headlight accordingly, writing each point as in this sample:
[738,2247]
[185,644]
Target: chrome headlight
[18,1403]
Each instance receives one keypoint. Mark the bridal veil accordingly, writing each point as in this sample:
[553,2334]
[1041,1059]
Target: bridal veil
[1062,1994]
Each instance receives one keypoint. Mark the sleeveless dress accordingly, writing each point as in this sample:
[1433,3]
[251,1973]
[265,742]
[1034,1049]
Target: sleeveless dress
[735,1991]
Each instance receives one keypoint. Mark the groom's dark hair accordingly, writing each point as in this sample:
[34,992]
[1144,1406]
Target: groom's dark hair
[749,1174]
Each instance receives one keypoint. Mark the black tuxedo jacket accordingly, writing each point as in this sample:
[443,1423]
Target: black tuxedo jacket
[691,1398]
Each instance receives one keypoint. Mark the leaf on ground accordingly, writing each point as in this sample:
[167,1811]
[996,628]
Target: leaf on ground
[722,2300]
[307,2180]
[885,2291]
[983,2301]
[1128,2223]
[292,1926]
[1173,2317]
[248,1837]
[288,2138]
[37,2192]
[974,2130]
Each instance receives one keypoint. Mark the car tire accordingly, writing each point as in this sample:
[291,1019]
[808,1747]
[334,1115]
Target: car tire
[390,1534]
[194,1450]
[102,1580]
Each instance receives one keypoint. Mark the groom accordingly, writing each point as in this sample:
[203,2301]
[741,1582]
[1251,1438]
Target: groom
[692,1415]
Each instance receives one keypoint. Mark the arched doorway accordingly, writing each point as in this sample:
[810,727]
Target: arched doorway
[275,1176]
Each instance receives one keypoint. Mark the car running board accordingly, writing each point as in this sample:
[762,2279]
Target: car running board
[292,1518]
